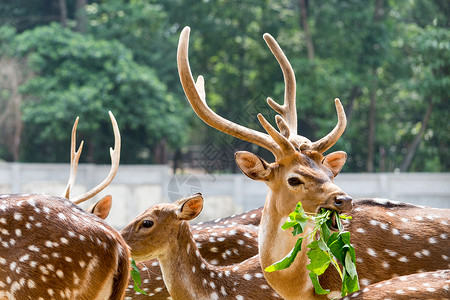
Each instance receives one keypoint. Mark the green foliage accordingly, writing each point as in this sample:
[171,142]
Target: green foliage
[80,75]
[325,248]
[398,53]
[136,276]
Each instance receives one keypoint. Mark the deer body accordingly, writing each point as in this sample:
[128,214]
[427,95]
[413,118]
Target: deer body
[51,249]
[186,274]
[302,173]
[427,285]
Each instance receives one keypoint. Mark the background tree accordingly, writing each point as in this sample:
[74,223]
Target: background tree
[387,61]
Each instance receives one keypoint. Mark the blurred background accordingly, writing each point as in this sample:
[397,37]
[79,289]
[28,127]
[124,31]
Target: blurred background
[388,62]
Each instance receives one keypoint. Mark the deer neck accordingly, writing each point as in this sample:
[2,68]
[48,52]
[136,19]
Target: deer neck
[274,245]
[184,270]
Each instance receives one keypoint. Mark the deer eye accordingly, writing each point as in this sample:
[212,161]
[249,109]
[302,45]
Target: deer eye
[294,181]
[147,223]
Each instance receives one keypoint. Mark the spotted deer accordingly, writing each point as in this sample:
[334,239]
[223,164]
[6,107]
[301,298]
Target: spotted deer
[163,232]
[220,242]
[52,249]
[426,285]
[390,238]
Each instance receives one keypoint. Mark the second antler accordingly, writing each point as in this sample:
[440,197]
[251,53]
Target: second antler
[75,156]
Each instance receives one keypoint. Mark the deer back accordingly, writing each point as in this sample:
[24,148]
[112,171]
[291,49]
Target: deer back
[50,248]
[427,285]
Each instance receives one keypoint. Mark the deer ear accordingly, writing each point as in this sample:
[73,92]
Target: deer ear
[252,165]
[190,207]
[102,208]
[335,161]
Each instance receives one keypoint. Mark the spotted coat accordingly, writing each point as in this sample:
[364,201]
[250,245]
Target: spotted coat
[52,249]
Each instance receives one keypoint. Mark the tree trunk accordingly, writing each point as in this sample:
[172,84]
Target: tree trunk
[160,152]
[304,23]
[63,12]
[378,15]
[10,108]
[355,93]
[416,142]
[80,15]
[371,135]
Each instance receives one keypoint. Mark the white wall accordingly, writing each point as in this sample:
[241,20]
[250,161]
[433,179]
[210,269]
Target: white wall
[137,187]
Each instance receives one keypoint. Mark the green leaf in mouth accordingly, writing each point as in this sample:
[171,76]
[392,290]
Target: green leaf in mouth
[324,249]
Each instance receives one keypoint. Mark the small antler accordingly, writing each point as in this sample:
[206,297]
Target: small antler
[330,139]
[74,157]
[115,158]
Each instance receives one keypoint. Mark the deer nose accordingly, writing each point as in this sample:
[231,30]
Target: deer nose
[343,202]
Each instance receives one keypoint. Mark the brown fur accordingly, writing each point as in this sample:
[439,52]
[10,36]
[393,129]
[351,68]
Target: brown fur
[430,285]
[225,252]
[186,274]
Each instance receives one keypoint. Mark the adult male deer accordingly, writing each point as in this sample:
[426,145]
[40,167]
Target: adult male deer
[221,242]
[162,231]
[52,249]
[427,285]
[390,238]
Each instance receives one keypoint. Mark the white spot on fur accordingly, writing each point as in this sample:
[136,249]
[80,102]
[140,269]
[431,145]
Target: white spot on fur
[403,259]
[371,252]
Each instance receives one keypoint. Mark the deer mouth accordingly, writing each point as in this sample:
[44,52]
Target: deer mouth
[332,222]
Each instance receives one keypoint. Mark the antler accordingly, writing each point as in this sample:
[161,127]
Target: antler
[330,139]
[196,95]
[74,157]
[280,143]
[288,110]
[115,158]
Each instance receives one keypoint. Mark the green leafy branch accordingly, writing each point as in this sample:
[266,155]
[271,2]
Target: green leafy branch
[324,249]
[136,276]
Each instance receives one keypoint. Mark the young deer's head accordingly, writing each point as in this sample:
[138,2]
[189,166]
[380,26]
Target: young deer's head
[154,232]
[163,232]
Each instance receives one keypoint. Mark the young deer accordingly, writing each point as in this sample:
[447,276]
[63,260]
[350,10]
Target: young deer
[162,231]
[52,249]
[390,238]
[427,285]
[221,242]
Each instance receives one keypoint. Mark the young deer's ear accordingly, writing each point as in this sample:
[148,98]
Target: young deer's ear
[190,207]
[252,165]
[335,161]
[102,208]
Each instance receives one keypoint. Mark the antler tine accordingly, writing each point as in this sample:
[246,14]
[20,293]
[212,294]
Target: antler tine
[286,147]
[196,96]
[288,110]
[115,159]
[330,139]
[74,157]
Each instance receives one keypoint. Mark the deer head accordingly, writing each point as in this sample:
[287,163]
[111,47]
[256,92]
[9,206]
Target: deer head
[221,242]
[301,173]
